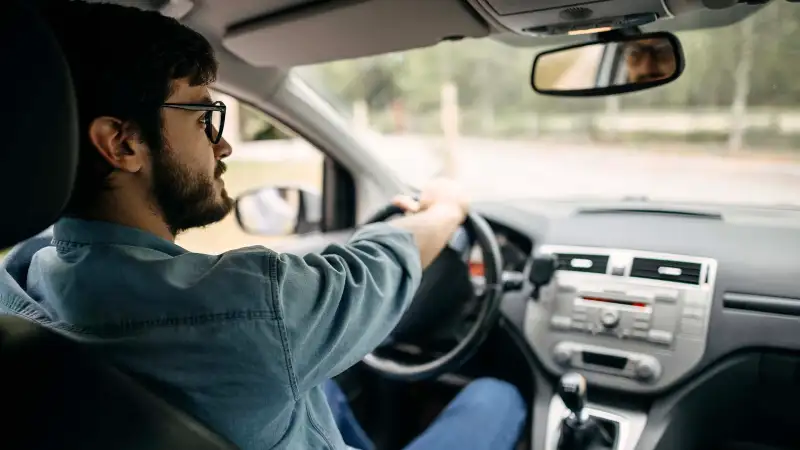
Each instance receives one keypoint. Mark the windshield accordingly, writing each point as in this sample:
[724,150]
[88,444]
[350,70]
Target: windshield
[727,131]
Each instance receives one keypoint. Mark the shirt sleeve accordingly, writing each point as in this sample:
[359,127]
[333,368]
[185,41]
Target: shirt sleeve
[339,305]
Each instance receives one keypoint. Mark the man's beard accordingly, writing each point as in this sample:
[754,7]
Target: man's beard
[187,200]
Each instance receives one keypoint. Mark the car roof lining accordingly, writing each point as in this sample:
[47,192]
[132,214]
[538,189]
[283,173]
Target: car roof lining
[287,33]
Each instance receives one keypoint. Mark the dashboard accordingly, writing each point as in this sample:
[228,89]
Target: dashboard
[645,295]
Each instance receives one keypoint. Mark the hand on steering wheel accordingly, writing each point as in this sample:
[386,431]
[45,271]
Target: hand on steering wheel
[436,192]
[433,287]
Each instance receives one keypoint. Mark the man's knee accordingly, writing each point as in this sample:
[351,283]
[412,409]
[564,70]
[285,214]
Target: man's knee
[499,396]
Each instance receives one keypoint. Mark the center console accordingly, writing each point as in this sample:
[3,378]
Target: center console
[625,319]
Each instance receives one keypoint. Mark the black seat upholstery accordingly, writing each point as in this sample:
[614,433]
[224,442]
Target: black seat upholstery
[53,393]
[55,396]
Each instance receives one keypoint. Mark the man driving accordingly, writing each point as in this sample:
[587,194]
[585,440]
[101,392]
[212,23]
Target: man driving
[245,341]
[649,60]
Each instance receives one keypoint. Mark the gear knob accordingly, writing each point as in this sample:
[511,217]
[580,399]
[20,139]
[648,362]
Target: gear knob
[572,390]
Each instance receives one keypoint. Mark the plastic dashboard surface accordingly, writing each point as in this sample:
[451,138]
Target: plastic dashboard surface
[757,252]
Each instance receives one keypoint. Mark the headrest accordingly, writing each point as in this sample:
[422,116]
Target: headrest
[39,123]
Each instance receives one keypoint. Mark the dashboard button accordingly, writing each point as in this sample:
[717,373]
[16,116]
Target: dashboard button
[562,354]
[693,313]
[646,296]
[609,318]
[578,326]
[647,369]
[560,322]
[659,336]
[640,334]
[640,325]
[579,315]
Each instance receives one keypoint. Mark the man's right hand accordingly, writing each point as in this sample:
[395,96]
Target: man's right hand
[441,192]
[441,209]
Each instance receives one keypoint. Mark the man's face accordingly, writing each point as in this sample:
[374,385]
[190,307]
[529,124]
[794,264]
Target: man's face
[186,175]
[649,60]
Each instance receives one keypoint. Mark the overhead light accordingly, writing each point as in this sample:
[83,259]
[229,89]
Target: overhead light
[589,31]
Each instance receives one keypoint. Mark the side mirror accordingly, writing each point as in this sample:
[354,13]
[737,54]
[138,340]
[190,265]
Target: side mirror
[614,64]
[279,211]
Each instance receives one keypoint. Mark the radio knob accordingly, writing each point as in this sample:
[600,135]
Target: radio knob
[562,354]
[609,318]
[647,369]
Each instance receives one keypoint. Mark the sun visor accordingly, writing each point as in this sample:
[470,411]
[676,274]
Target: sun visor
[334,30]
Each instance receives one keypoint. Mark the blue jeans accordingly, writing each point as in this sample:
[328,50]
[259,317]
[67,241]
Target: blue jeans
[488,414]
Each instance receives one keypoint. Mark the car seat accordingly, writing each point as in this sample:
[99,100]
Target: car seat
[53,393]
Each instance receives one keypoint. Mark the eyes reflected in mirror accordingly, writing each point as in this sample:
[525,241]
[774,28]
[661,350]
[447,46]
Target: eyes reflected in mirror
[613,66]
[279,211]
[648,60]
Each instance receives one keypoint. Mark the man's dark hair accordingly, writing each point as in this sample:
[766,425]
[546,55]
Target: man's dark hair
[123,62]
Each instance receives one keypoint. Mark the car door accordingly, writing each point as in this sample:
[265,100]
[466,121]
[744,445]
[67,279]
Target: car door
[268,155]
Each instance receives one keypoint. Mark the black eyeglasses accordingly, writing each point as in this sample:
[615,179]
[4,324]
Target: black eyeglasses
[214,117]
[661,51]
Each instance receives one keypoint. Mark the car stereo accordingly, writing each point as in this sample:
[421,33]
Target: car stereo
[627,319]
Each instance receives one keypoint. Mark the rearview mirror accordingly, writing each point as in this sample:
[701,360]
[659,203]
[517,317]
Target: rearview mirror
[279,211]
[611,65]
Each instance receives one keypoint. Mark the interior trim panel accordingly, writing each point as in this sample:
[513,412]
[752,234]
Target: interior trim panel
[628,319]
[754,301]
[761,303]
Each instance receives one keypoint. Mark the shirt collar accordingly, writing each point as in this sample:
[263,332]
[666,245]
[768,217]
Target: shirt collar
[79,231]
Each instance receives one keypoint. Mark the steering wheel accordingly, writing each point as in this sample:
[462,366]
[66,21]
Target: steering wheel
[445,287]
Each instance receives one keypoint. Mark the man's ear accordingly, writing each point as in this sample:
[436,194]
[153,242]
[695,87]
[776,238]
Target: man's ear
[118,144]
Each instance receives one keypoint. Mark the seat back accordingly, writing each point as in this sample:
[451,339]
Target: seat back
[55,394]
[38,119]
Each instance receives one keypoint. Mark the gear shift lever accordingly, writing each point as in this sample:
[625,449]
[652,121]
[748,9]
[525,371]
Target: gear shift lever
[572,390]
[578,430]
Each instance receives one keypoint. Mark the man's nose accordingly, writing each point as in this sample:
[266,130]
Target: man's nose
[652,64]
[222,149]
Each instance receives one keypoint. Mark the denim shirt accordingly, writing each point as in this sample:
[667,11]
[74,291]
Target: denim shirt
[241,340]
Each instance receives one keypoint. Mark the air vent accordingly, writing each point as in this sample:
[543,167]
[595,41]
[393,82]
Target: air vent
[576,262]
[660,269]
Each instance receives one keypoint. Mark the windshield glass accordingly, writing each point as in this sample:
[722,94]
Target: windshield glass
[725,132]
